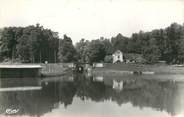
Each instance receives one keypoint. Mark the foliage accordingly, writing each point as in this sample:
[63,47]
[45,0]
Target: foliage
[29,44]
[95,51]
[81,48]
[151,53]
[108,59]
[67,52]
[156,45]
[120,43]
[36,44]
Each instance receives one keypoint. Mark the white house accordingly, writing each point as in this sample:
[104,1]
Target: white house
[117,56]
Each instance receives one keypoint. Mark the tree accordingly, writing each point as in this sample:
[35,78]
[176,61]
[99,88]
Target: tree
[120,43]
[96,51]
[135,44]
[172,39]
[181,47]
[40,44]
[7,43]
[67,52]
[1,57]
[108,59]
[107,46]
[152,53]
[36,44]
[23,49]
[81,48]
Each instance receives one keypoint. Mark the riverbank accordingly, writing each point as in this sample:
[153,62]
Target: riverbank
[55,69]
[131,68]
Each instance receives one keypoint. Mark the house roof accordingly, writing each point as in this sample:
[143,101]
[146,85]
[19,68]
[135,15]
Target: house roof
[20,66]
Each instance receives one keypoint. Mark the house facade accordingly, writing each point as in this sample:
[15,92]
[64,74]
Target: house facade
[117,56]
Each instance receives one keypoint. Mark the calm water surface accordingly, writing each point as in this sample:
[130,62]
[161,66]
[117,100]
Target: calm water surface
[81,96]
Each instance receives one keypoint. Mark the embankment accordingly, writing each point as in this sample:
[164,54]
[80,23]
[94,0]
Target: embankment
[55,69]
[123,68]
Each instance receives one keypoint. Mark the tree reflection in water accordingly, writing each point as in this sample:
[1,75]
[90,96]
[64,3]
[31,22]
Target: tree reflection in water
[142,93]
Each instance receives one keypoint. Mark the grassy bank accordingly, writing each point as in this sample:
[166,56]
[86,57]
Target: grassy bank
[55,69]
[128,68]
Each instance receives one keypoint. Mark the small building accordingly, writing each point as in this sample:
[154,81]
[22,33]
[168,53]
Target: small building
[71,65]
[117,56]
[99,65]
[98,78]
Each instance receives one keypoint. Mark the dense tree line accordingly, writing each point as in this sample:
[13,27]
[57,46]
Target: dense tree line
[35,44]
[67,52]
[161,44]
[29,44]
[157,45]
[94,51]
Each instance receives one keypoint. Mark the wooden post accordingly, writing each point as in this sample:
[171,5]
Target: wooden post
[40,56]
[55,55]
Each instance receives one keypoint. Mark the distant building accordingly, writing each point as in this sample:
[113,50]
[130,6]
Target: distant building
[117,56]
[98,65]
[98,78]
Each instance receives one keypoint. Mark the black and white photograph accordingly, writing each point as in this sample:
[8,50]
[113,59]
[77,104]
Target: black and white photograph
[91,58]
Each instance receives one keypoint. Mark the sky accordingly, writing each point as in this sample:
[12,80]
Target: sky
[91,19]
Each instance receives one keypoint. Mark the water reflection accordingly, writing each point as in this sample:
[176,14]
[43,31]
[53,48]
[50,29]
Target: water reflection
[67,92]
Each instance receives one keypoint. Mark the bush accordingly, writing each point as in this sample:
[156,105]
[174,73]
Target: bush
[108,59]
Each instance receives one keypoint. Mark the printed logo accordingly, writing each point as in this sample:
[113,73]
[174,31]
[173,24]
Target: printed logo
[11,111]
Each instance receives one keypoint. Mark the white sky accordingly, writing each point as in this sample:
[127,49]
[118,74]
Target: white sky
[91,19]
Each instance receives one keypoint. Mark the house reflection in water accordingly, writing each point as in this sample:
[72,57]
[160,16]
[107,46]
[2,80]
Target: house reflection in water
[117,85]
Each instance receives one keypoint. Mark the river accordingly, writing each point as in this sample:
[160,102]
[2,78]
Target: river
[94,96]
